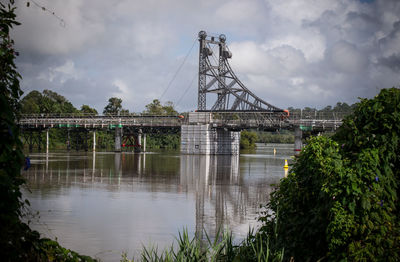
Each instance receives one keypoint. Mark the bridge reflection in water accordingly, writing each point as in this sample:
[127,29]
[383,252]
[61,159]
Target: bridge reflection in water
[221,190]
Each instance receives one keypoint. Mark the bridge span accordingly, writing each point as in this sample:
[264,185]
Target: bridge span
[201,132]
[214,128]
[235,121]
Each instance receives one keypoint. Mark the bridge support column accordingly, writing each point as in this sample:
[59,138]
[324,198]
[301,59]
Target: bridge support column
[94,140]
[298,134]
[30,142]
[207,140]
[139,141]
[85,140]
[68,141]
[47,141]
[77,141]
[144,143]
[40,140]
[118,136]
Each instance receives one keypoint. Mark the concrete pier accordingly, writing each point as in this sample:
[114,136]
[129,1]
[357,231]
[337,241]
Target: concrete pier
[298,134]
[208,140]
[139,141]
[118,137]
[144,143]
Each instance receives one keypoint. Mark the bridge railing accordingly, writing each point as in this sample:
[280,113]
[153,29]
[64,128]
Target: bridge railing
[237,119]
[317,115]
[314,120]
[90,120]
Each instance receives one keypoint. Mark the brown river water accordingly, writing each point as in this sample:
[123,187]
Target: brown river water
[102,204]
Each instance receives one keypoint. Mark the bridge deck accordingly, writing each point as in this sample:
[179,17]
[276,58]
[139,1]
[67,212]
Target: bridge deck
[230,120]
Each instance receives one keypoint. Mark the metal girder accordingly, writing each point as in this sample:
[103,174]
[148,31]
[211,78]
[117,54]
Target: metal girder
[212,79]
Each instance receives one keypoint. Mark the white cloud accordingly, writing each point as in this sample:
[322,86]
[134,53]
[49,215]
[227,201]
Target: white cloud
[44,33]
[297,11]
[238,11]
[60,73]
[310,42]
[250,58]
[123,91]
[289,53]
[347,58]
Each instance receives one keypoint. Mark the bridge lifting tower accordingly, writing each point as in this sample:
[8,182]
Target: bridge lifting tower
[232,94]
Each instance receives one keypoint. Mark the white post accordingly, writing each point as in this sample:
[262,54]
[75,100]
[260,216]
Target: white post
[144,142]
[139,142]
[94,140]
[47,141]
[94,163]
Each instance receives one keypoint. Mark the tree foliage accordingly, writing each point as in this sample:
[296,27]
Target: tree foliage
[11,157]
[88,110]
[114,106]
[160,140]
[156,108]
[328,112]
[248,139]
[340,200]
[286,137]
[48,102]
[17,241]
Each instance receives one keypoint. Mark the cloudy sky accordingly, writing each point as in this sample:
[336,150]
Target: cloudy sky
[289,53]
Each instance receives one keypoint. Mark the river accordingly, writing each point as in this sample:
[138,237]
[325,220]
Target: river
[102,204]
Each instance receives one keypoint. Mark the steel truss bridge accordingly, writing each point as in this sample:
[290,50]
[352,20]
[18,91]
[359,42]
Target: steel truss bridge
[316,121]
[224,102]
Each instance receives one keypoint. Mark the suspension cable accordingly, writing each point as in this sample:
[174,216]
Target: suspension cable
[179,69]
[187,89]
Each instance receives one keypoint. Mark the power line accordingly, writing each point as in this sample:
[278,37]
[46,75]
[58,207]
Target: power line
[62,22]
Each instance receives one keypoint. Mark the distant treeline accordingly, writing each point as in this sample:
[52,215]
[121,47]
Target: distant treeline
[285,137]
[338,111]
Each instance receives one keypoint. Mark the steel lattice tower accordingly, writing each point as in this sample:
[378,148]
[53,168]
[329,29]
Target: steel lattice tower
[220,79]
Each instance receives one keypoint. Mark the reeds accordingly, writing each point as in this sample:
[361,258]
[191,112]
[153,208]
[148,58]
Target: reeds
[255,247]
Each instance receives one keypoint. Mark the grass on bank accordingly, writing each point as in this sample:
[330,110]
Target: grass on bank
[255,247]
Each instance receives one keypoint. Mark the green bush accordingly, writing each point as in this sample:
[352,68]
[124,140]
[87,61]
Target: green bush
[268,137]
[248,140]
[340,200]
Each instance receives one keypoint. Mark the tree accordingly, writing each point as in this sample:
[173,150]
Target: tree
[155,108]
[162,140]
[57,103]
[248,139]
[49,102]
[88,110]
[30,104]
[169,109]
[114,106]
[343,192]
[17,241]
[11,157]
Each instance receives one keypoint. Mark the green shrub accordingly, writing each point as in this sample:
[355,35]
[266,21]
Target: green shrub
[340,200]
[248,140]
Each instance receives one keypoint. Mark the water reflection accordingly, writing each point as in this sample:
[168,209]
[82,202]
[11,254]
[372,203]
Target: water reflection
[213,178]
[151,195]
